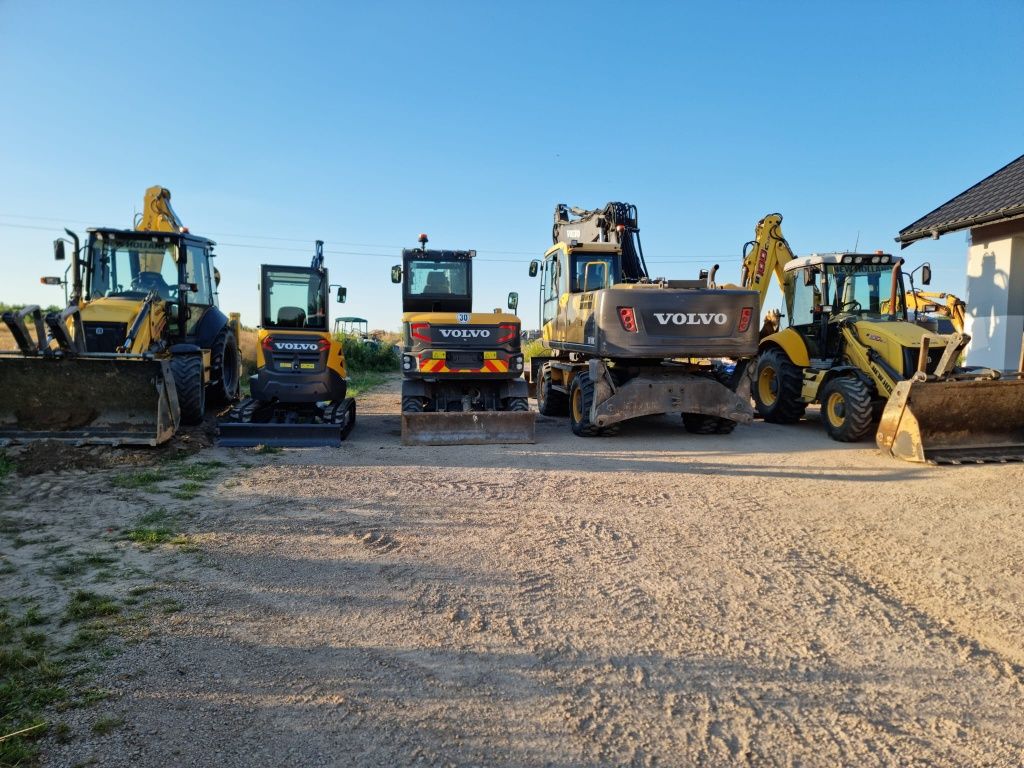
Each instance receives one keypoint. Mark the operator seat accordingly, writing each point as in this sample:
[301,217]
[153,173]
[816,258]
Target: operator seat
[291,317]
[437,282]
[148,281]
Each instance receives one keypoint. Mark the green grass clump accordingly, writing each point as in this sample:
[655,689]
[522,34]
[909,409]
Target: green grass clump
[188,491]
[201,471]
[360,381]
[360,357]
[145,480]
[267,449]
[85,605]
[536,348]
[105,725]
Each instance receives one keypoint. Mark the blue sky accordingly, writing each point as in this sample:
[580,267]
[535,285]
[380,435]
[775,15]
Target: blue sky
[364,124]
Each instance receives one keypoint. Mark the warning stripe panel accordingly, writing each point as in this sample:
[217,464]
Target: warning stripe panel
[440,366]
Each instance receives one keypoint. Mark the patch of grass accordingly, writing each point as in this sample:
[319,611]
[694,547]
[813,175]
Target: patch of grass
[30,681]
[93,696]
[152,529]
[145,480]
[267,449]
[77,566]
[88,636]
[188,491]
[107,724]
[361,381]
[85,605]
[201,471]
[31,618]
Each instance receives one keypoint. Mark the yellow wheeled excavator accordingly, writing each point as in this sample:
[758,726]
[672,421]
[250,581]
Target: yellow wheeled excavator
[462,370]
[852,347]
[626,344]
[141,348]
[298,395]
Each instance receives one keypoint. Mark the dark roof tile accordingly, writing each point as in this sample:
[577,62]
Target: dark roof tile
[998,197]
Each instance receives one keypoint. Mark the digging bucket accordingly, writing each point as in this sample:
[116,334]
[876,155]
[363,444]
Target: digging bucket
[88,399]
[954,421]
[468,428]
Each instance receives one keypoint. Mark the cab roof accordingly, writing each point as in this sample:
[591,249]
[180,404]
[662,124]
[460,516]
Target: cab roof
[828,259]
[144,234]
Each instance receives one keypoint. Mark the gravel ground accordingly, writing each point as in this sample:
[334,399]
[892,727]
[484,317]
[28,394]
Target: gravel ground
[658,598]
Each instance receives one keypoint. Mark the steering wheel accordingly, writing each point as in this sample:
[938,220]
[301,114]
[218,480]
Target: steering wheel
[147,281]
[859,308]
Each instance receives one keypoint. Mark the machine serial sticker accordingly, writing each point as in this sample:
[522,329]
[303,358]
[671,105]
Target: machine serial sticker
[307,365]
[462,317]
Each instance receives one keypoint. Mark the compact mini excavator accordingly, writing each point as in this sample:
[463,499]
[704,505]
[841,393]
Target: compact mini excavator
[298,393]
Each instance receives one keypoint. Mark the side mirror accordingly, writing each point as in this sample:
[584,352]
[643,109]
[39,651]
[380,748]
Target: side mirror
[51,281]
[534,266]
[513,300]
[342,294]
[216,277]
[58,250]
[396,274]
[926,274]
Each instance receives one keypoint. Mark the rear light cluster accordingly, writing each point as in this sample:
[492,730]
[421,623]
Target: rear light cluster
[628,319]
[511,331]
[745,314]
[420,331]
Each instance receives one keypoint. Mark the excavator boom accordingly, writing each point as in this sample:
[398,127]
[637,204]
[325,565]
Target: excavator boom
[765,255]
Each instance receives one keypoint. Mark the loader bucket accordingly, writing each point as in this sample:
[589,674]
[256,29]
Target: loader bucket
[98,400]
[954,422]
[468,428]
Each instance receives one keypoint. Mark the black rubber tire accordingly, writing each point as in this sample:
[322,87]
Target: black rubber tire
[517,404]
[188,383]
[414,405]
[581,396]
[550,401]
[786,408]
[702,424]
[225,369]
[847,409]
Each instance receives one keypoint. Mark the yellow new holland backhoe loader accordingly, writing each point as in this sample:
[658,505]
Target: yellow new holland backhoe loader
[462,370]
[851,347]
[141,347]
[298,393]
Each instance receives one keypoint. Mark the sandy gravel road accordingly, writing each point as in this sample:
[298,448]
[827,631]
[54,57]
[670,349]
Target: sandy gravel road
[659,598]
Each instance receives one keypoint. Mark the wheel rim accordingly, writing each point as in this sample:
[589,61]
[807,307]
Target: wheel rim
[767,386]
[577,405]
[835,409]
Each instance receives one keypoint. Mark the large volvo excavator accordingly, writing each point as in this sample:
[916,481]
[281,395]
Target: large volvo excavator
[462,370]
[626,345]
[852,347]
[141,348]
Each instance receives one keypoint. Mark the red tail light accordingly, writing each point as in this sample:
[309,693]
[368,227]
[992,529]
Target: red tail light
[745,314]
[510,333]
[420,331]
[268,343]
[323,344]
[628,318]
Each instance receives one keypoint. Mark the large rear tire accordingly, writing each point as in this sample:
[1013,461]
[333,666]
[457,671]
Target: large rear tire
[581,397]
[188,383]
[550,401]
[701,423]
[847,409]
[414,405]
[225,369]
[517,404]
[777,385]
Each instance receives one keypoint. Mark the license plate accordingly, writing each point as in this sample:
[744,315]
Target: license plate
[465,359]
[307,366]
[490,355]
[438,354]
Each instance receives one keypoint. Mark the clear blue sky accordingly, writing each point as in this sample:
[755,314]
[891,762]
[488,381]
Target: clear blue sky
[364,124]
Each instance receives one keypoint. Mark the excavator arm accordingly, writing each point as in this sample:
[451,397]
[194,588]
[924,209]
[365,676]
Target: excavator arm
[157,214]
[767,253]
[933,302]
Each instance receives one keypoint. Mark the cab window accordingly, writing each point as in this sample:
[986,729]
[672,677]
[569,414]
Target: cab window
[591,272]
[552,281]
[197,272]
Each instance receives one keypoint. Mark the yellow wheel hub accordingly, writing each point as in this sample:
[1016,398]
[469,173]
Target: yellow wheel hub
[577,405]
[767,386]
[835,409]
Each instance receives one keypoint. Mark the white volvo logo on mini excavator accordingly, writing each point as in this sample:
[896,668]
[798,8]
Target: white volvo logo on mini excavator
[464,333]
[683,318]
[295,346]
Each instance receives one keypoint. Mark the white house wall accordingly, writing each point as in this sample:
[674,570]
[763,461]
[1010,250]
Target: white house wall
[995,301]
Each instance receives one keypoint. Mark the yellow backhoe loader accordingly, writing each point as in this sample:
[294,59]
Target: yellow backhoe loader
[851,347]
[141,347]
[298,393]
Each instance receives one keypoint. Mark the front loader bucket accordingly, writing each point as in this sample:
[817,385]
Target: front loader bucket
[954,422]
[468,428]
[98,400]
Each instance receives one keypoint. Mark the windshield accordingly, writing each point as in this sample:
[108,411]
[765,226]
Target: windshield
[438,278]
[294,298]
[861,288]
[132,268]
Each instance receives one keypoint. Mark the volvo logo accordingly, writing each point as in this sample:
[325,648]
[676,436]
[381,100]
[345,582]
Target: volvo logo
[296,346]
[682,318]
[464,333]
